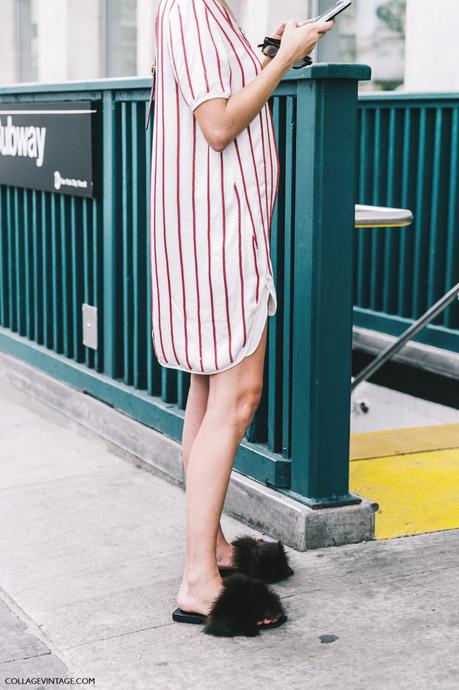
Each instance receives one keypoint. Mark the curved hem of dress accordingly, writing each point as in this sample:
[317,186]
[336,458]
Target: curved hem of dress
[245,353]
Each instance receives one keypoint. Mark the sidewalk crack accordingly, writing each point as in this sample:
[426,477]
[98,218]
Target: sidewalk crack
[23,658]
[111,637]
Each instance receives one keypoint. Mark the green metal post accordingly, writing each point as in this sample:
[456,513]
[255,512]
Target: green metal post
[322,305]
[110,157]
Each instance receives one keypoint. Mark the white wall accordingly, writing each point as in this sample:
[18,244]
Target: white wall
[261,17]
[84,57]
[70,38]
[432,45]
[52,40]
[7,43]
[146,12]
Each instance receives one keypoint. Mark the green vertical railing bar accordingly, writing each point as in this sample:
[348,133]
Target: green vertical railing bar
[153,383]
[11,323]
[431,278]
[452,242]
[98,289]
[3,254]
[85,260]
[405,180]
[126,247]
[19,262]
[27,276]
[111,320]
[64,316]
[36,248]
[421,211]
[286,284]
[389,266]
[323,260]
[46,272]
[275,345]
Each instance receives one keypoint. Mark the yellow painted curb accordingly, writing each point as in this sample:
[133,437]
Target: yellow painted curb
[417,493]
[379,444]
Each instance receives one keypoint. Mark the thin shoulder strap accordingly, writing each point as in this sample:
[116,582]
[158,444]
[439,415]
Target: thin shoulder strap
[153,80]
[153,74]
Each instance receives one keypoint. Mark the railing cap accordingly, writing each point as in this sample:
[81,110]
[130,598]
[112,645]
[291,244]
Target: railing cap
[320,70]
[77,85]
[332,70]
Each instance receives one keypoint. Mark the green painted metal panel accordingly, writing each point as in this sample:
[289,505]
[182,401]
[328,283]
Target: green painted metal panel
[57,252]
[111,214]
[408,157]
[322,320]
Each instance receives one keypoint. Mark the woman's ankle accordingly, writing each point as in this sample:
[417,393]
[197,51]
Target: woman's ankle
[200,576]
[225,553]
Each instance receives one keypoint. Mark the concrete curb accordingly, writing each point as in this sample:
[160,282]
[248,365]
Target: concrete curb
[299,526]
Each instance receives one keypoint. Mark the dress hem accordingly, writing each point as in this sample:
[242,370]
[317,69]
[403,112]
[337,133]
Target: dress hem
[268,297]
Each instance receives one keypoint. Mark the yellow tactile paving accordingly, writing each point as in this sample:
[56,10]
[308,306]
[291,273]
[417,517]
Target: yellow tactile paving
[417,492]
[378,444]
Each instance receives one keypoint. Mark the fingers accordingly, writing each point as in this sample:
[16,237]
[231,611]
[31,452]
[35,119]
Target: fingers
[323,27]
[279,31]
[305,21]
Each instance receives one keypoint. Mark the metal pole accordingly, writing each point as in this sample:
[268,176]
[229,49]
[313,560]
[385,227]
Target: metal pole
[405,337]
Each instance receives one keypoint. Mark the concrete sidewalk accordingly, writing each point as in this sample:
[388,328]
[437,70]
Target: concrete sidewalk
[91,551]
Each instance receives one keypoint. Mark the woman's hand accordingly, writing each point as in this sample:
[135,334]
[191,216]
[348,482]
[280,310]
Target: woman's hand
[299,39]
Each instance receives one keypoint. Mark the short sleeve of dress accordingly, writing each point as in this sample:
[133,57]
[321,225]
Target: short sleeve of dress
[198,53]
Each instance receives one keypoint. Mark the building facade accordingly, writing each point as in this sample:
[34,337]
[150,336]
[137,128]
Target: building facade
[408,43]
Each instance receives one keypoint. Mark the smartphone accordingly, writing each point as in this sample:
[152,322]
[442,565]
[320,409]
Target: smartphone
[333,12]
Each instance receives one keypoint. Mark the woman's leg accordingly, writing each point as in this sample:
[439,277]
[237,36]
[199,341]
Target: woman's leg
[233,398]
[196,407]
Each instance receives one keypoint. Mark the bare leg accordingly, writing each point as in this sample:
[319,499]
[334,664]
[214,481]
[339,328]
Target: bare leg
[196,406]
[233,398]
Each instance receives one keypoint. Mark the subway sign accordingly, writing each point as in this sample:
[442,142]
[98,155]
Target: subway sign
[49,146]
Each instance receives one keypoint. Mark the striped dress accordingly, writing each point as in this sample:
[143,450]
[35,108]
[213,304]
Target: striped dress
[212,279]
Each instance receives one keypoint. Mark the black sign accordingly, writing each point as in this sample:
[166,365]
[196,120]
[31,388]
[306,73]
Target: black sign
[49,146]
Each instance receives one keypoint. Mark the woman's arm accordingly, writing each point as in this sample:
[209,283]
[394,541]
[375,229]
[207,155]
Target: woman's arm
[221,119]
[266,61]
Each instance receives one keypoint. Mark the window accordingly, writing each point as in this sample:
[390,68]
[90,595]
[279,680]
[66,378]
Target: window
[370,32]
[121,38]
[26,40]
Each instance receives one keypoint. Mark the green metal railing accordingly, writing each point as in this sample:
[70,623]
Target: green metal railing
[59,251]
[409,157]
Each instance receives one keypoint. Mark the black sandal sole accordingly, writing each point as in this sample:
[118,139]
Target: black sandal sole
[181,616]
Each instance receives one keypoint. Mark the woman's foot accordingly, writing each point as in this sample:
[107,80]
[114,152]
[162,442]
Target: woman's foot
[197,595]
[225,555]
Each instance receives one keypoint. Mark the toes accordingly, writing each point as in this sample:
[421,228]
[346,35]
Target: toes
[267,621]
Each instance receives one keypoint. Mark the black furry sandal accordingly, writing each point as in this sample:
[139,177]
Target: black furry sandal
[265,560]
[236,611]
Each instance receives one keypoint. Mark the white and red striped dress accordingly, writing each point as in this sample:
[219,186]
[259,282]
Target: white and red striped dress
[212,279]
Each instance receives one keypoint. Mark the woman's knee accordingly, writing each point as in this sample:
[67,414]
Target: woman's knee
[246,406]
[238,406]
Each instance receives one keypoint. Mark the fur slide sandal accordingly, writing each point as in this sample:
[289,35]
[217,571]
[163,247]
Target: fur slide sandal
[265,560]
[236,611]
